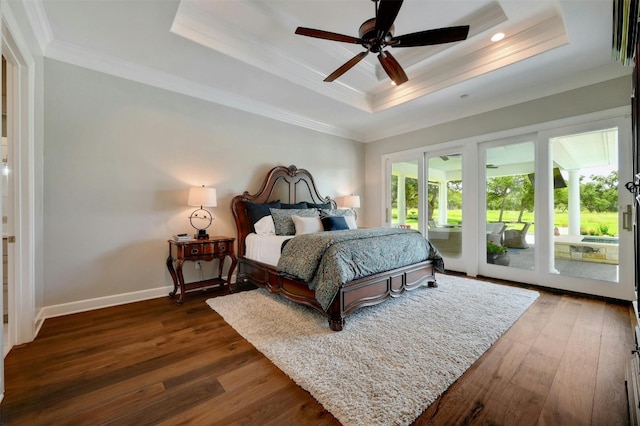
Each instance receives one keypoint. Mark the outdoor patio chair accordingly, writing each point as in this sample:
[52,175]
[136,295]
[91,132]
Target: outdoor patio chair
[517,238]
[495,232]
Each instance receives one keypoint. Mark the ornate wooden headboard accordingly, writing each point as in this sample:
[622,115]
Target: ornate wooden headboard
[287,184]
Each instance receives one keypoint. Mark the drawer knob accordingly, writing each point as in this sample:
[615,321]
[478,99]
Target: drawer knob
[223,247]
[194,251]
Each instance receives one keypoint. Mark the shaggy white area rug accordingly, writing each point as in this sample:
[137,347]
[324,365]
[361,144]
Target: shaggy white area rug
[392,360]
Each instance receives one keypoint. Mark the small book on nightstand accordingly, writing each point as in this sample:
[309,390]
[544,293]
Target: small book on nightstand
[183,237]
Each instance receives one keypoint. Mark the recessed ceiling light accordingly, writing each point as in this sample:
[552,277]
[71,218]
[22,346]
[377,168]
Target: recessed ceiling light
[497,37]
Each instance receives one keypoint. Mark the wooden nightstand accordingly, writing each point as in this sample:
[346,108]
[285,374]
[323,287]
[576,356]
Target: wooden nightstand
[216,247]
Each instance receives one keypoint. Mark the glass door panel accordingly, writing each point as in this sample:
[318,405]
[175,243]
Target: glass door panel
[405,194]
[585,194]
[444,204]
[509,223]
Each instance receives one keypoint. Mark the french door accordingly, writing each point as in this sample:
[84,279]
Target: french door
[554,202]
[591,212]
[507,208]
[446,225]
[425,192]
[404,192]
[547,207]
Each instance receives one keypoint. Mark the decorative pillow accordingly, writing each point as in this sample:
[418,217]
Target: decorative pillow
[301,205]
[265,226]
[257,211]
[283,222]
[337,212]
[319,206]
[306,225]
[351,222]
[348,215]
[334,223]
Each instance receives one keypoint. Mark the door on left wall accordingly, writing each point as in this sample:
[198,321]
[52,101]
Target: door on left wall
[4,175]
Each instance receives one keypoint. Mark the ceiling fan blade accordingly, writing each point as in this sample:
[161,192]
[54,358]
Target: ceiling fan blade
[430,37]
[347,66]
[387,12]
[326,35]
[392,68]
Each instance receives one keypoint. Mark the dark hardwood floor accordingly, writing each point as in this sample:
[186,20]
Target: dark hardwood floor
[152,362]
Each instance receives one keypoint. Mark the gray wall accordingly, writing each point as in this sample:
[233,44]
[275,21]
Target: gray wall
[119,158]
[599,97]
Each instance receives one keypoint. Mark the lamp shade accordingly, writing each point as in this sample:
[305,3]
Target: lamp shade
[351,201]
[202,196]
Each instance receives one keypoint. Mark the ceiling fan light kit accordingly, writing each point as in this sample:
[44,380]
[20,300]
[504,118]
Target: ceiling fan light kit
[376,34]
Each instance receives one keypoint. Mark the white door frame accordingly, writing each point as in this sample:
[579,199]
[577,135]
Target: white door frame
[21,112]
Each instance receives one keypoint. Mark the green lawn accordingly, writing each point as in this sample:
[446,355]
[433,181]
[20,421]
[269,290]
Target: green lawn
[592,223]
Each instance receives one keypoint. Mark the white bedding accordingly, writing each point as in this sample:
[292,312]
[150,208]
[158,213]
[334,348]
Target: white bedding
[264,248]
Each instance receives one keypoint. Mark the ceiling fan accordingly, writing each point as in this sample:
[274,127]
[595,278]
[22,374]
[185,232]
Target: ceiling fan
[377,33]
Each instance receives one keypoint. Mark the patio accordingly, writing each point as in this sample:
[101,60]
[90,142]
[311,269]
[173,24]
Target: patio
[585,263]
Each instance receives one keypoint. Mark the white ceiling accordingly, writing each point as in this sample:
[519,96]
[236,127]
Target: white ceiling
[244,54]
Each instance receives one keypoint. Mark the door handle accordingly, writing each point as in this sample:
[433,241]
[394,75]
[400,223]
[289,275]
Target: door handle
[627,216]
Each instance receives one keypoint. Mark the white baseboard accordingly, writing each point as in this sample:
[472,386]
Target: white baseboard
[98,303]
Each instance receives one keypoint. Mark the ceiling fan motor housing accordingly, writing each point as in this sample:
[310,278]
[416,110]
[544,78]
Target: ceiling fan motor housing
[367,33]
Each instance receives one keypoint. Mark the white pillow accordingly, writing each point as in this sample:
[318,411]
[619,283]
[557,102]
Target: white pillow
[265,226]
[351,221]
[307,225]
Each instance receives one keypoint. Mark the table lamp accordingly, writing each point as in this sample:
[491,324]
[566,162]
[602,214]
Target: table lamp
[351,202]
[201,218]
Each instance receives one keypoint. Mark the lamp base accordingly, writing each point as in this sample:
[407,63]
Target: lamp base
[201,235]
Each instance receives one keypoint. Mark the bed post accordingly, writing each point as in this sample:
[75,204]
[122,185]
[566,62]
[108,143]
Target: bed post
[336,320]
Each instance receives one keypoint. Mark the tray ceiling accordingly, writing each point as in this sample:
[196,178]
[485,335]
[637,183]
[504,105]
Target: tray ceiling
[244,54]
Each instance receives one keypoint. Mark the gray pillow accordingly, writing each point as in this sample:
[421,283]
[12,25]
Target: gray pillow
[282,219]
[336,212]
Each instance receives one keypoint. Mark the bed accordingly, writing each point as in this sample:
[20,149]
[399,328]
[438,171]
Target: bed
[259,266]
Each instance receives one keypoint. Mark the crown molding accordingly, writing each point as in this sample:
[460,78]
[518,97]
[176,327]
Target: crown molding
[361,89]
[541,37]
[195,21]
[120,68]
[64,52]
[271,37]
[39,23]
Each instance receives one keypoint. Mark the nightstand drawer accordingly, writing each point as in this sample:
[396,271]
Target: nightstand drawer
[196,250]
[223,247]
